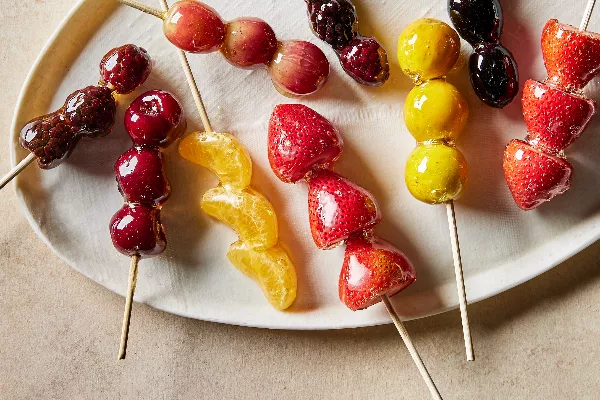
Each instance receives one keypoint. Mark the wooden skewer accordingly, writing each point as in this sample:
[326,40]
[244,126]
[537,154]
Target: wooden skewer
[587,15]
[460,282]
[144,8]
[133,271]
[16,170]
[435,394]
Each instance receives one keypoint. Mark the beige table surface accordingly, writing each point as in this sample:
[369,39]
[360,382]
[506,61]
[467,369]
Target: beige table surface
[59,330]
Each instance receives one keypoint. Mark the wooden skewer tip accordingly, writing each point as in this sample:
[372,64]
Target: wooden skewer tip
[133,271]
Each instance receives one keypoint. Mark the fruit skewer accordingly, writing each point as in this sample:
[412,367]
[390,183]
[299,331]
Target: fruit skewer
[88,112]
[303,145]
[258,252]
[296,67]
[556,113]
[435,114]
[153,121]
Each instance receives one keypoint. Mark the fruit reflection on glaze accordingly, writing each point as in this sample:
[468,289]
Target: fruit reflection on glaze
[272,269]
[258,253]
[248,212]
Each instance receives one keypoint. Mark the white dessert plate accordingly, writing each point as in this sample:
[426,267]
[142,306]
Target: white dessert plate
[70,207]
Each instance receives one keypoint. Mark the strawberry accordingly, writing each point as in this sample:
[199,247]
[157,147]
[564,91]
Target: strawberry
[337,208]
[554,118]
[534,177]
[372,268]
[571,56]
[300,139]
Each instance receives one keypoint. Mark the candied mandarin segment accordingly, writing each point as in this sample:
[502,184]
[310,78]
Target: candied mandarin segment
[272,269]
[436,173]
[247,212]
[222,153]
[428,49]
[435,110]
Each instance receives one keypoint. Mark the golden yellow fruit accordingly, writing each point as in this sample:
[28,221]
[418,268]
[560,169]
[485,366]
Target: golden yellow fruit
[428,49]
[436,173]
[272,269]
[248,212]
[222,153]
[435,110]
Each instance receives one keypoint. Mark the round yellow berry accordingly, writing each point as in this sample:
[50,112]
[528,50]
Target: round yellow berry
[435,110]
[436,173]
[428,49]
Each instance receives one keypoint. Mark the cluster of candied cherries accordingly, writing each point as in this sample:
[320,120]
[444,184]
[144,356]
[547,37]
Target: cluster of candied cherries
[556,113]
[303,145]
[296,67]
[88,112]
[435,112]
[153,121]
[493,70]
[363,58]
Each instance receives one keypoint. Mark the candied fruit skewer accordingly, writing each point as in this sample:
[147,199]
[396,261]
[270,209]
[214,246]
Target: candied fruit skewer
[296,67]
[435,114]
[303,144]
[258,253]
[556,113]
[88,112]
[153,121]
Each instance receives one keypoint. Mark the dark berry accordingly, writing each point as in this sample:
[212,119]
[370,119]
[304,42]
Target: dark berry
[125,68]
[155,118]
[477,21]
[333,21]
[136,230]
[50,138]
[366,61]
[91,111]
[141,176]
[494,75]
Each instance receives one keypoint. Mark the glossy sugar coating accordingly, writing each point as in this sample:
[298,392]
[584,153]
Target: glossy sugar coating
[222,153]
[300,140]
[258,252]
[249,42]
[372,268]
[477,21]
[141,177]
[428,49]
[333,21]
[338,208]
[136,230]
[534,177]
[248,212]
[365,60]
[435,110]
[125,68]
[554,118]
[194,26]
[272,269]
[572,57]
[436,173]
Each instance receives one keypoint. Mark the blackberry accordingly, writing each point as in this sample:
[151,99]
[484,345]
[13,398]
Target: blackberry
[50,137]
[333,21]
[366,61]
[91,111]
[125,68]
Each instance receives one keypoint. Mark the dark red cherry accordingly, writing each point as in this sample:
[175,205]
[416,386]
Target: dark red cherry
[136,230]
[141,176]
[155,118]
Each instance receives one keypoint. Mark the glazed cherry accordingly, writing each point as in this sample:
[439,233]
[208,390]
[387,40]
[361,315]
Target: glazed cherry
[155,118]
[193,26]
[141,176]
[477,21]
[125,68]
[249,42]
[136,230]
[298,68]
[494,74]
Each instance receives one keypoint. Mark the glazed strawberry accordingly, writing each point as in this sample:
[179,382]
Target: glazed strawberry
[300,139]
[125,68]
[338,208]
[534,177]
[554,118]
[91,110]
[372,268]
[365,60]
[572,57]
